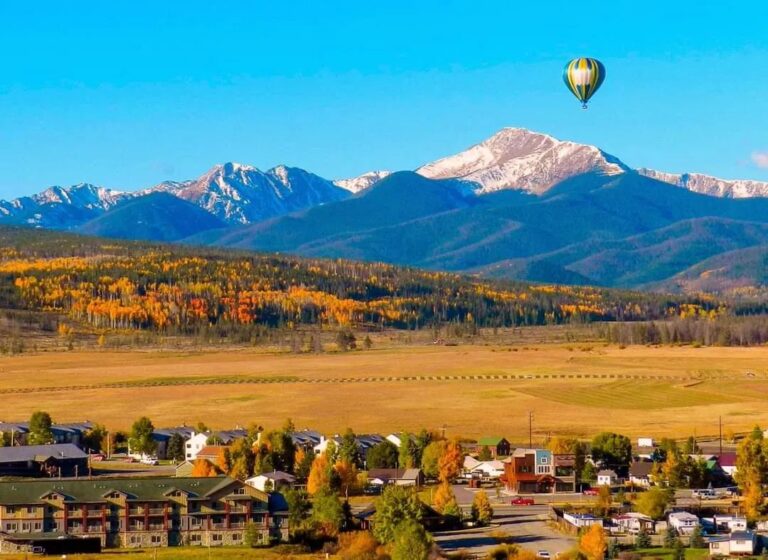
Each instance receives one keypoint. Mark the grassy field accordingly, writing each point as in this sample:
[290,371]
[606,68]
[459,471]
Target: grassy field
[470,389]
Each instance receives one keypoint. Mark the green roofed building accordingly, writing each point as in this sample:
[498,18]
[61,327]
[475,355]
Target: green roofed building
[498,446]
[140,512]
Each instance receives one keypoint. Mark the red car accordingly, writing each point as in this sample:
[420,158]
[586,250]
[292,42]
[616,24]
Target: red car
[591,492]
[520,501]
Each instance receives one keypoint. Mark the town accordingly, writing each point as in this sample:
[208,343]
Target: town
[77,487]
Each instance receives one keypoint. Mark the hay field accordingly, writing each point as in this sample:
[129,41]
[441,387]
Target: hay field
[470,389]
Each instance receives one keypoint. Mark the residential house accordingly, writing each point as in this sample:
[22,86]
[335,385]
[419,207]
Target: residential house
[634,523]
[194,444]
[482,469]
[683,521]
[271,481]
[364,443]
[306,439]
[607,477]
[498,446]
[140,512]
[724,523]
[395,439]
[162,438]
[227,437]
[640,473]
[580,520]
[398,477]
[211,453]
[645,448]
[62,433]
[539,471]
[56,460]
[727,463]
[738,543]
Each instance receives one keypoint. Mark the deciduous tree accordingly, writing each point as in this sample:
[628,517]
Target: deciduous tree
[40,432]
[411,541]
[396,504]
[140,439]
[482,512]
[592,543]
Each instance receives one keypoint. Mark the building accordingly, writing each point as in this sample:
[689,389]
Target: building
[482,469]
[580,520]
[498,446]
[683,521]
[607,477]
[57,460]
[738,543]
[727,462]
[194,444]
[364,443]
[62,433]
[140,512]
[634,523]
[399,477]
[275,480]
[307,439]
[640,473]
[539,471]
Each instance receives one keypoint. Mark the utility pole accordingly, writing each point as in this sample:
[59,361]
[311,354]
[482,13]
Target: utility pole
[530,429]
[720,421]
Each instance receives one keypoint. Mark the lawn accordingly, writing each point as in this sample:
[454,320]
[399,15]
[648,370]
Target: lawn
[575,389]
[668,553]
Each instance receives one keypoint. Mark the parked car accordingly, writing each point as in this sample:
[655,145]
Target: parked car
[543,554]
[704,494]
[520,501]
[591,492]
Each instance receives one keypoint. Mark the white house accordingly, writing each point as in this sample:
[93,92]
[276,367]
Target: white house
[267,482]
[193,446]
[484,469]
[683,521]
[607,477]
[640,473]
[582,519]
[725,523]
[645,442]
[633,522]
[395,439]
[738,543]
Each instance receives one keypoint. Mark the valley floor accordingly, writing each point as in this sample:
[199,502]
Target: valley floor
[469,389]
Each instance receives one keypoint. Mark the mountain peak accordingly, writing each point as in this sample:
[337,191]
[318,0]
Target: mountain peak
[362,182]
[517,158]
[712,186]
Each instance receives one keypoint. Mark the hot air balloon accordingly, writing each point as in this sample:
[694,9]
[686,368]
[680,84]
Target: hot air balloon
[584,76]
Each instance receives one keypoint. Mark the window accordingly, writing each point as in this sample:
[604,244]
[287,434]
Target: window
[217,537]
[25,527]
[239,491]
[155,539]
[236,536]
[10,509]
[11,527]
[135,539]
[31,509]
[544,460]
[195,538]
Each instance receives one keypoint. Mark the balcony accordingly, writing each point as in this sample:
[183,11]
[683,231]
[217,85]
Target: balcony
[238,509]
[95,512]
[218,525]
[156,511]
[136,511]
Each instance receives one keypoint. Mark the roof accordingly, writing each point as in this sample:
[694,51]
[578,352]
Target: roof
[640,469]
[276,475]
[228,436]
[606,472]
[210,451]
[394,474]
[727,459]
[742,535]
[682,515]
[491,441]
[40,452]
[150,488]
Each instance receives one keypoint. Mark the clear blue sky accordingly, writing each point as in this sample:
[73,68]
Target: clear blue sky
[126,94]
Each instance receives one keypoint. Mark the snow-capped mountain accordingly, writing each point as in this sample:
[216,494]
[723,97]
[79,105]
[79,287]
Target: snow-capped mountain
[362,182]
[61,207]
[516,158]
[712,186]
[242,194]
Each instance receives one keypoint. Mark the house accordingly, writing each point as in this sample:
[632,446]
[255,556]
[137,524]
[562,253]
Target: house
[483,469]
[227,437]
[645,448]
[498,446]
[398,477]
[539,471]
[211,453]
[364,443]
[275,480]
[73,433]
[580,520]
[395,439]
[56,460]
[140,512]
[726,523]
[738,543]
[727,463]
[307,439]
[640,473]
[607,477]
[194,444]
[162,438]
[634,523]
[683,521]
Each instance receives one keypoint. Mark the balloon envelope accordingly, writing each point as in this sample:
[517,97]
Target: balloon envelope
[584,76]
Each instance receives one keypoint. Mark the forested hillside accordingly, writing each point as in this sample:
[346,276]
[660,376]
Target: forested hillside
[182,290]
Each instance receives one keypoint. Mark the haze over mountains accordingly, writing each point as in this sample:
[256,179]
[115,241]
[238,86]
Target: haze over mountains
[518,205]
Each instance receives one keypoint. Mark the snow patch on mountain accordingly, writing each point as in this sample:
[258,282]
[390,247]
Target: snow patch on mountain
[516,158]
[711,186]
[362,182]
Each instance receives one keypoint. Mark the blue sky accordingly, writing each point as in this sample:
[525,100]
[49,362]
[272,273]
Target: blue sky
[126,94]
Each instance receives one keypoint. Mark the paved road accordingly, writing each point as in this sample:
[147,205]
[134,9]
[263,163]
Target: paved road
[527,525]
